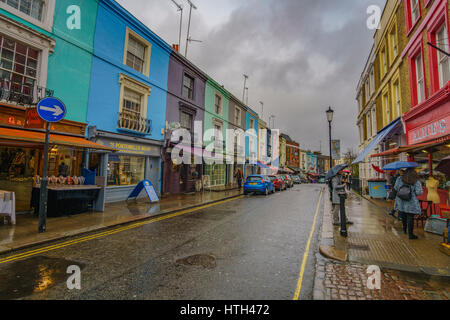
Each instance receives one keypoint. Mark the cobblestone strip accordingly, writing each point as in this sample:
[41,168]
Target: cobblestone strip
[348,281]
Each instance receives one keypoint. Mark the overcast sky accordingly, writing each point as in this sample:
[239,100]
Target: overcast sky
[301,56]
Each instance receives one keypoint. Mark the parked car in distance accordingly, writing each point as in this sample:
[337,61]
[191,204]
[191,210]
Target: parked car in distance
[282,177]
[289,181]
[278,183]
[258,184]
[297,179]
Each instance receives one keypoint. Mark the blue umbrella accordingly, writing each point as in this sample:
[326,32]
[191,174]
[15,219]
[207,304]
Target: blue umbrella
[400,165]
[334,171]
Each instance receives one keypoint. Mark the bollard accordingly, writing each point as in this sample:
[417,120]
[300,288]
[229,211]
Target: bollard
[343,196]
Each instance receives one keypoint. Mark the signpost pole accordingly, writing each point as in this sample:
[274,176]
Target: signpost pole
[44,192]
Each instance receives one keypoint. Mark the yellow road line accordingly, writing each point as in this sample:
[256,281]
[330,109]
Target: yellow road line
[109,232]
[305,255]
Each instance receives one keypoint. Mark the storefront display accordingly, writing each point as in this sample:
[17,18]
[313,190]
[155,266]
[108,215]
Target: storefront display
[125,170]
[135,159]
[216,173]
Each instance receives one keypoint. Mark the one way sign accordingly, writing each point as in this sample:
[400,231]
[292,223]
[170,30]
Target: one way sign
[51,109]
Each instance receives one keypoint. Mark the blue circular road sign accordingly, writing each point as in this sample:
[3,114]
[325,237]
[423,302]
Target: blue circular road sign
[51,109]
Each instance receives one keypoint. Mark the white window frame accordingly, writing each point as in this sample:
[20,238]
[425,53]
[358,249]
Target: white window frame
[420,80]
[237,110]
[374,120]
[372,80]
[397,97]
[148,51]
[369,124]
[221,103]
[442,58]
[47,14]
[137,86]
[414,4]
[45,45]
[366,90]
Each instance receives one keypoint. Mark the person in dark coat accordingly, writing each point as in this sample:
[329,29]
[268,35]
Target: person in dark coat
[394,179]
[238,175]
[409,208]
[337,184]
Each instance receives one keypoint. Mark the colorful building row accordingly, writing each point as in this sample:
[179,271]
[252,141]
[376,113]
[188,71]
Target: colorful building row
[403,93]
[126,90]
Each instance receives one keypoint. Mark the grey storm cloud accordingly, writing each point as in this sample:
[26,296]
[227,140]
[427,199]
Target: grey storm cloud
[301,56]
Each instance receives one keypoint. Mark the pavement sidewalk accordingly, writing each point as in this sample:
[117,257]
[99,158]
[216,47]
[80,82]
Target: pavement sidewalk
[24,234]
[377,239]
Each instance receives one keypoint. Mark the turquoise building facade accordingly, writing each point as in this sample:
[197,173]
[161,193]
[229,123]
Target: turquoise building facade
[62,32]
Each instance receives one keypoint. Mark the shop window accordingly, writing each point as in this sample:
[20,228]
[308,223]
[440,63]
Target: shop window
[137,52]
[125,170]
[188,87]
[18,68]
[216,174]
[18,166]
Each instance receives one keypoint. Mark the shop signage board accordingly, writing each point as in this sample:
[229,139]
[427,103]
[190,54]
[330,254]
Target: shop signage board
[149,190]
[128,147]
[51,109]
[433,130]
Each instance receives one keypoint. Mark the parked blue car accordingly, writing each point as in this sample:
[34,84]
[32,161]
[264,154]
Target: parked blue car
[259,184]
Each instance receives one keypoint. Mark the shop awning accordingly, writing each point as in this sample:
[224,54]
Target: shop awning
[55,139]
[389,152]
[376,141]
[295,169]
[413,148]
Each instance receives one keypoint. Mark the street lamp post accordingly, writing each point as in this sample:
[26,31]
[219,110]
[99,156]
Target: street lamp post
[330,113]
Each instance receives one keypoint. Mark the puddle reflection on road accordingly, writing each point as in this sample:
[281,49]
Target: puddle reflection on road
[22,278]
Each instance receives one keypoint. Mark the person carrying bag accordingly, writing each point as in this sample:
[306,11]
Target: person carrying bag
[408,187]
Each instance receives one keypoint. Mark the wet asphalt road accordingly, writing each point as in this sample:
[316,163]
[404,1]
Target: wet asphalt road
[250,248]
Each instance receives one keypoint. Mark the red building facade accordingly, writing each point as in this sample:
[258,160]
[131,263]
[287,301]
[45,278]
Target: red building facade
[427,28]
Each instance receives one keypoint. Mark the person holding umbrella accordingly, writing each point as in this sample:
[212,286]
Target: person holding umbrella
[336,176]
[408,187]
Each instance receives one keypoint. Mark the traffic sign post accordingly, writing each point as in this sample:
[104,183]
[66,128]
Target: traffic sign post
[50,110]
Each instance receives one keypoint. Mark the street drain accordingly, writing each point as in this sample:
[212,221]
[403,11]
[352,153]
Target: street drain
[358,247]
[23,278]
[204,260]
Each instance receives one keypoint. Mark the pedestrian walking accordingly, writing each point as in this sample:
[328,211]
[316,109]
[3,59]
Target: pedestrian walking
[238,175]
[408,187]
[393,193]
[337,184]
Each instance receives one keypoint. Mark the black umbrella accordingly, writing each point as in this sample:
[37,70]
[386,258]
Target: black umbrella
[335,170]
[444,166]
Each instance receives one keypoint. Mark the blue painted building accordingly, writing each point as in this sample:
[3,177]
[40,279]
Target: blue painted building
[127,100]
[251,142]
